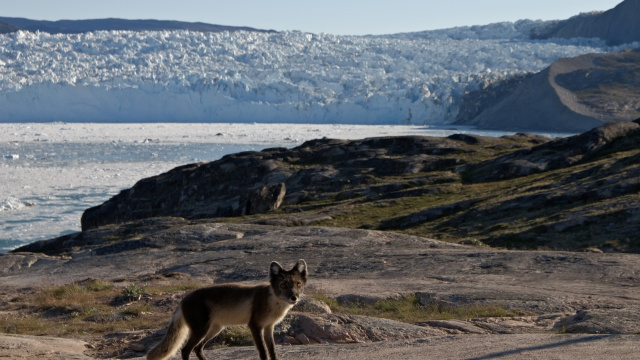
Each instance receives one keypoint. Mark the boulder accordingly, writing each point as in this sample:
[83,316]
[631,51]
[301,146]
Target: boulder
[601,321]
[265,198]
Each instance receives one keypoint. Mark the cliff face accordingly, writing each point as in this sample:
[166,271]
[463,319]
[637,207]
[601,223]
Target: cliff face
[617,26]
[572,95]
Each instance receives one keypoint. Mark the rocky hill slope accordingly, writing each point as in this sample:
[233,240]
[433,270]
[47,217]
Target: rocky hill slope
[518,191]
[616,26]
[572,95]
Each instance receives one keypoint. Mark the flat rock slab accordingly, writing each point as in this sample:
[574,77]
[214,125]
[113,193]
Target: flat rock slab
[348,261]
[568,291]
[41,347]
[467,347]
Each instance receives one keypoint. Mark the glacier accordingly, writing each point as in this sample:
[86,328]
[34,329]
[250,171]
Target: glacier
[290,77]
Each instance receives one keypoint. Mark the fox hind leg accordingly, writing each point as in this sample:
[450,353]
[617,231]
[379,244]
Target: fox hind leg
[195,338]
[213,332]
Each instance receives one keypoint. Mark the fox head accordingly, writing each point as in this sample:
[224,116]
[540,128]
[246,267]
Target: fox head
[288,285]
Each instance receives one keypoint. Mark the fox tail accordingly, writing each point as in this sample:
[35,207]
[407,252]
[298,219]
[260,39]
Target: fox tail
[173,340]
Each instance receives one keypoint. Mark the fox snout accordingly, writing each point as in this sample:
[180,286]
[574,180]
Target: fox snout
[289,295]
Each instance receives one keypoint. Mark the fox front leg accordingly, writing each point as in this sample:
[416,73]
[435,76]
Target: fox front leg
[258,339]
[271,344]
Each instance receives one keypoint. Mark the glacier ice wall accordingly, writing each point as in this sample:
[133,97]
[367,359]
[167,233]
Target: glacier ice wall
[183,76]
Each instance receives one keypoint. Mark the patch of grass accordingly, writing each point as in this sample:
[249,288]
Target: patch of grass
[409,310]
[132,292]
[85,308]
[155,290]
[137,309]
[65,300]
[67,291]
[99,285]
[25,325]
[234,336]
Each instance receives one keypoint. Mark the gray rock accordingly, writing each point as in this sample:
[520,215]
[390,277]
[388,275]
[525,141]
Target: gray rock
[308,304]
[557,154]
[347,329]
[265,198]
[601,321]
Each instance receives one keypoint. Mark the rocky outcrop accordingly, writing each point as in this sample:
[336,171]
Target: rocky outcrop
[518,191]
[616,26]
[239,184]
[258,182]
[559,154]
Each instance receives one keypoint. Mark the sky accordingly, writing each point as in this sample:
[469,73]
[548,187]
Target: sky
[338,17]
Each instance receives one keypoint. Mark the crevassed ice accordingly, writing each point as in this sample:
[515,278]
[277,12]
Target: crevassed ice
[185,76]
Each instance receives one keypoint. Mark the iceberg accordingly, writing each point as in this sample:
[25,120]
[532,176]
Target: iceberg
[244,76]
[11,204]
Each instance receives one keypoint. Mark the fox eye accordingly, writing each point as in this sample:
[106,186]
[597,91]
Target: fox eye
[298,284]
[283,286]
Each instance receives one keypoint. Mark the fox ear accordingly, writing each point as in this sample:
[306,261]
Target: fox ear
[275,269]
[301,268]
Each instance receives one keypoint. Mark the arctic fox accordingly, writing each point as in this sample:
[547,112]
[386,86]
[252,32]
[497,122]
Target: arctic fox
[205,312]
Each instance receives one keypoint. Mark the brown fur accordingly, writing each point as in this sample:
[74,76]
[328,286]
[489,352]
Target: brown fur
[205,312]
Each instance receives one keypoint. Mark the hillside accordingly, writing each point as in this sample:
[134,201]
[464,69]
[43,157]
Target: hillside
[522,191]
[616,26]
[572,95]
[81,26]
[7,28]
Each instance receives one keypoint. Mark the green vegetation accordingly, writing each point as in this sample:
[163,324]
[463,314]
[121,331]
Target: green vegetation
[234,336]
[589,204]
[95,307]
[132,292]
[408,309]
